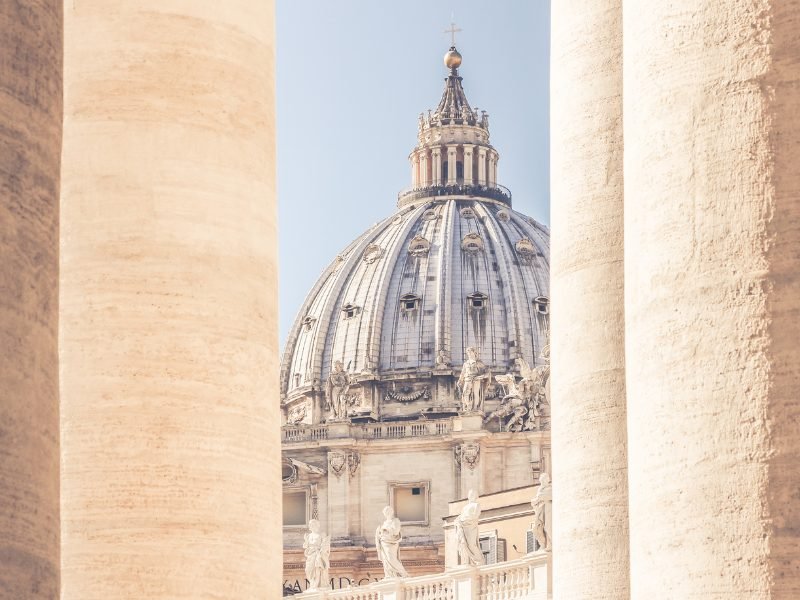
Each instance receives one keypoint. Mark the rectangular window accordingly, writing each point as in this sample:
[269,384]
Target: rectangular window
[410,502]
[295,508]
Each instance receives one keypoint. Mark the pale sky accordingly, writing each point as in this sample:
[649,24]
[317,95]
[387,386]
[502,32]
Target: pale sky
[352,77]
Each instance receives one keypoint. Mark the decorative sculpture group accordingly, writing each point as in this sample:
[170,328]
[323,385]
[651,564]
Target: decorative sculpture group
[525,404]
[387,544]
[469,551]
[317,550]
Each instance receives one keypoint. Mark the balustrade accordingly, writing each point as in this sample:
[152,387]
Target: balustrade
[526,578]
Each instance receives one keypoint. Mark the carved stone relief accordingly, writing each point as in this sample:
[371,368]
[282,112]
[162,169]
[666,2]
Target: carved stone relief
[407,393]
[468,455]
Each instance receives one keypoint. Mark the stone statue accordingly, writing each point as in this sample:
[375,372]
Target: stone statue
[466,113]
[317,550]
[543,513]
[336,390]
[387,543]
[472,382]
[514,407]
[469,552]
[442,360]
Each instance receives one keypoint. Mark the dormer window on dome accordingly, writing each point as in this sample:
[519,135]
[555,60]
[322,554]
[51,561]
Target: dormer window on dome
[409,303]
[308,323]
[419,246]
[472,243]
[477,301]
[542,305]
[350,310]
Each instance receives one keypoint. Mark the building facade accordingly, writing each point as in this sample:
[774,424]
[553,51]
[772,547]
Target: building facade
[417,367]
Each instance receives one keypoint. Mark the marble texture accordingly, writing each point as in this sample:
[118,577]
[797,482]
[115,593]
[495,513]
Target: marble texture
[169,347]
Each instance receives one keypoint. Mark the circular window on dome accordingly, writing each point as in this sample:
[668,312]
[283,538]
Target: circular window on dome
[398,219]
[502,215]
[472,243]
[467,213]
[419,246]
[430,215]
[372,253]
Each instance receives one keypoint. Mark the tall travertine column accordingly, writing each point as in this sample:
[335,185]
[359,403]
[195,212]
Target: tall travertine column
[30,154]
[170,463]
[712,279]
[590,537]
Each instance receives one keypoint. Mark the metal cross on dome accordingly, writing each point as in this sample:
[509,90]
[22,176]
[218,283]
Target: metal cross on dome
[452,31]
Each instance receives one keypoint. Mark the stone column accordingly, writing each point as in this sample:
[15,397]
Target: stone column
[451,165]
[168,331]
[492,176]
[424,180]
[468,149]
[436,170]
[712,232]
[482,166]
[30,156]
[590,537]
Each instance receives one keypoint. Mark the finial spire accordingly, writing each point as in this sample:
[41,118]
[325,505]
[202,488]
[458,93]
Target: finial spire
[452,31]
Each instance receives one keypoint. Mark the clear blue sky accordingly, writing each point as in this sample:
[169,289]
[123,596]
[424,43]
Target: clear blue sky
[353,75]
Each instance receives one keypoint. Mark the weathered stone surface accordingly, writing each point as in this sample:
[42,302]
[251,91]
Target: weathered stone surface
[590,541]
[712,281]
[30,152]
[169,310]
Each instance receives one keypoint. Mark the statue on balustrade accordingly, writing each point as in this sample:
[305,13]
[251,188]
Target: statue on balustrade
[336,389]
[387,543]
[543,513]
[317,550]
[469,551]
[472,382]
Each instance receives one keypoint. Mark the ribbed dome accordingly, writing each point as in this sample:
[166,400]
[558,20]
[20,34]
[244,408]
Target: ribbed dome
[434,278]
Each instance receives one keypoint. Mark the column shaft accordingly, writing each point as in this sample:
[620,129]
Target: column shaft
[171,479]
[590,547]
[468,150]
[712,270]
[30,155]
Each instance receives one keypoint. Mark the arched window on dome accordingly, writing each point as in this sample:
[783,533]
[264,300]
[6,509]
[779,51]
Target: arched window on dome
[477,301]
[542,305]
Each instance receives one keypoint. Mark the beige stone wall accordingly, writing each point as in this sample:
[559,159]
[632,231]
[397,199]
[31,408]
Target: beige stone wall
[712,278]
[590,557]
[30,150]
[170,461]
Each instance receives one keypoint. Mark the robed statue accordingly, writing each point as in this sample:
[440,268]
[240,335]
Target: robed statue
[469,552]
[336,389]
[387,543]
[542,505]
[317,550]
[472,382]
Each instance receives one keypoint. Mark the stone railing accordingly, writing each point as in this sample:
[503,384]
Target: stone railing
[527,578]
[368,431]
[493,192]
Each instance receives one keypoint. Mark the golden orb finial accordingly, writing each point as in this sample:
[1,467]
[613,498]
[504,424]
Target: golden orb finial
[452,60]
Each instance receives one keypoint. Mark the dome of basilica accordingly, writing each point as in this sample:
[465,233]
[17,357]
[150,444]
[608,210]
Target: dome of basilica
[389,322]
